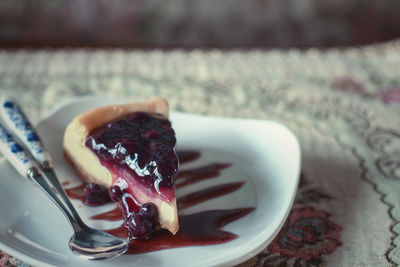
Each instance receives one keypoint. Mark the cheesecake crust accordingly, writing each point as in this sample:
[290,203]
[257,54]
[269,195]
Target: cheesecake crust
[97,117]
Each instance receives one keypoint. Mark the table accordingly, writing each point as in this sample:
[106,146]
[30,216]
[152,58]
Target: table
[343,105]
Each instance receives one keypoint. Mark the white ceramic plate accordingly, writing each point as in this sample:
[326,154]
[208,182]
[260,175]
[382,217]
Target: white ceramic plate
[264,154]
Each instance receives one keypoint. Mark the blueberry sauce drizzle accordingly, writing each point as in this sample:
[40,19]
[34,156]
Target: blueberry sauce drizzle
[208,193]
[76,192]
[195,175]
[187,155]
[198,229]
[112,215]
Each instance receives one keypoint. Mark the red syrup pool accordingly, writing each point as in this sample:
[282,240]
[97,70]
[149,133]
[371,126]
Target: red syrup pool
[198,229]
[202,195]
[198,174]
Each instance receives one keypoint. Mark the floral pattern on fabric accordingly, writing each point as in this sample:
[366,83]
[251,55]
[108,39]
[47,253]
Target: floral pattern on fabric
[8,261]
[352,85]
[307,235]
[349,84]
[391,95]
[4,259]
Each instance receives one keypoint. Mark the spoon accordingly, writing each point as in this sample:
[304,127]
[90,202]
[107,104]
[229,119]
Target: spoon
[36,164]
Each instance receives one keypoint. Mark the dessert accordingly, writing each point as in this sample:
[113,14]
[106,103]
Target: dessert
[129,149]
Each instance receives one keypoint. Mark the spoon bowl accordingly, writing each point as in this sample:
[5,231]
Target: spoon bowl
[93,244]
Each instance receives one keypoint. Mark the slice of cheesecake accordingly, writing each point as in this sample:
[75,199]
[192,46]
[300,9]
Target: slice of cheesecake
[130,149]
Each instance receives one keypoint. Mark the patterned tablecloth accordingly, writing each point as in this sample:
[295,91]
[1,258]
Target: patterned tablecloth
[343,105]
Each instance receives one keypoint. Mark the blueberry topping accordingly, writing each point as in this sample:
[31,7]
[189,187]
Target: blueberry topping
[140,143]
[152,134]
[149,210]
[96,194]
[140,227]
[115,192]
[140,220]
[139,146]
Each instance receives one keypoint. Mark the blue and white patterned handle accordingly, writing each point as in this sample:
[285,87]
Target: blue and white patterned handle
[17,122]
[14,152]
